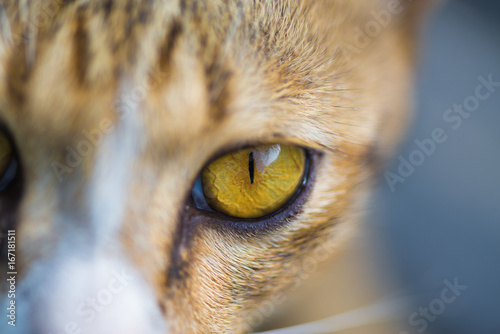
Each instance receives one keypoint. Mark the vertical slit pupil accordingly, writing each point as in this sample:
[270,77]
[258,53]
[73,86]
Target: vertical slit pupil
[251,167]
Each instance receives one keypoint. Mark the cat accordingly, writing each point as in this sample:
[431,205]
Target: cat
[169,166]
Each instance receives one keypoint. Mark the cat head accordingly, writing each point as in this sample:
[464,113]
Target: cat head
[122,122]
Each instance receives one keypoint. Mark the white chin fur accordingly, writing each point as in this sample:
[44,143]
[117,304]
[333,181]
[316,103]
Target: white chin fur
[86,295]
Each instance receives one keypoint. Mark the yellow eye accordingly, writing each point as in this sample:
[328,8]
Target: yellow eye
[254,182]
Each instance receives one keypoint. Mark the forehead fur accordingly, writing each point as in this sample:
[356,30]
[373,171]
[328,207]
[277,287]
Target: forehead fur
[204,61]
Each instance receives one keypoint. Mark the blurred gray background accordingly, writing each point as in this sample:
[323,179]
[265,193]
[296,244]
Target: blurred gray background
[443,222]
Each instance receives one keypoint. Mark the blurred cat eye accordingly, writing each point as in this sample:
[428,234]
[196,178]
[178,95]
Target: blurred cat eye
[8,165]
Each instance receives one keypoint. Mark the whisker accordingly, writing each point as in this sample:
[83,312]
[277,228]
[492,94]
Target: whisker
[382,311]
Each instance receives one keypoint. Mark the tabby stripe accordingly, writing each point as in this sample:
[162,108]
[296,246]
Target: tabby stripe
[81,46]
[168,47]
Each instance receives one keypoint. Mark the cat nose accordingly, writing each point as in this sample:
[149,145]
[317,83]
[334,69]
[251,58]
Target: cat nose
[94,294]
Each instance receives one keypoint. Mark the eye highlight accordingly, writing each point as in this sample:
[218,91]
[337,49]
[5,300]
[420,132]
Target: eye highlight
[254,182]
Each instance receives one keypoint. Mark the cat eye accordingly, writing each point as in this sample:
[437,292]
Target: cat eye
[252,183]
[8,165]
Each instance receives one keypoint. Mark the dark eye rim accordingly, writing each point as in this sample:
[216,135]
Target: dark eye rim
[11,177]
[11,192]
[276,220]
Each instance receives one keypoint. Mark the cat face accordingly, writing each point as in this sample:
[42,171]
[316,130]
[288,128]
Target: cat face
[123,121]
